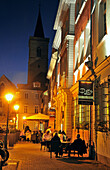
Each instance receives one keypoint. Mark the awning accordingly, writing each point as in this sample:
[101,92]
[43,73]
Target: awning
[38,116]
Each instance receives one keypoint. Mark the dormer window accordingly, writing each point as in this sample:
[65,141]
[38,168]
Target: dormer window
[36,84]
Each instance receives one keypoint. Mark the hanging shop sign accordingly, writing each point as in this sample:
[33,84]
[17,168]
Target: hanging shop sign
[85,96]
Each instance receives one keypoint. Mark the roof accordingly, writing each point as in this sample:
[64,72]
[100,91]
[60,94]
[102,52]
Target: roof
[39,32]
[4,79]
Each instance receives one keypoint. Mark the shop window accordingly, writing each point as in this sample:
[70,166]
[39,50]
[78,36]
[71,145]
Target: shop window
[102,100]
[81,114]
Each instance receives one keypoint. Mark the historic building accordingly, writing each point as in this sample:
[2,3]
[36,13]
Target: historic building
[31,94]
[6,86]
[81,53]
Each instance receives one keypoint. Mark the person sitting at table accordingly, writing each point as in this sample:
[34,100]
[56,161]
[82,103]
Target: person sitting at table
[78,145]
[46,136]
[59,149]
[64,135]
[28,135]
[22,135]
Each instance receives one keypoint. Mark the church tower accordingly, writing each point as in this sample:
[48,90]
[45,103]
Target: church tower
[38,55]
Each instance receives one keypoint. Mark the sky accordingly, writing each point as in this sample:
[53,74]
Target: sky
[18,19]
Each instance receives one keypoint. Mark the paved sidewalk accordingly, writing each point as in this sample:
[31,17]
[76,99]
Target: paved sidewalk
[28,156]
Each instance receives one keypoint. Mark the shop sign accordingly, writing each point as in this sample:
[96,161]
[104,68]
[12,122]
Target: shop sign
[85,96]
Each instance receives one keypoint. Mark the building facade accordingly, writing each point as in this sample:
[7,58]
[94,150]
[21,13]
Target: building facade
[81,47]
[6,86]
[30,95]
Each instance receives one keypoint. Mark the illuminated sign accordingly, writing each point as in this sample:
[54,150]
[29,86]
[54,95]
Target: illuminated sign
[85,96]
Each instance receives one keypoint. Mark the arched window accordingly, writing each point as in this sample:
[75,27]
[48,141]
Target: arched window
[2,87]
[38,52]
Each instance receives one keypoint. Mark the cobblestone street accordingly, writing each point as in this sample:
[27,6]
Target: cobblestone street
[28,156]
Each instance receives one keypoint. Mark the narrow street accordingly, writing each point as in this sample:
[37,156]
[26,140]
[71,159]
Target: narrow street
[28,156]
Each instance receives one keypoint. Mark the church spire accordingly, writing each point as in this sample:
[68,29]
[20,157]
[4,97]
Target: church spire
[39,32]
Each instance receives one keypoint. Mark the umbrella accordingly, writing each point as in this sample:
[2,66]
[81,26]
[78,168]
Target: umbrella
[38,116]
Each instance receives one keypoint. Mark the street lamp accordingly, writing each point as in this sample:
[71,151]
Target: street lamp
[9,98]
[16,107]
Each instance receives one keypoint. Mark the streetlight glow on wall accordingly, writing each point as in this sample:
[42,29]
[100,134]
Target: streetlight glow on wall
[9,98]
[16,108]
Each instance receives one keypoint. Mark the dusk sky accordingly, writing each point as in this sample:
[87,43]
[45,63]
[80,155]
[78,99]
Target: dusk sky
[17,23]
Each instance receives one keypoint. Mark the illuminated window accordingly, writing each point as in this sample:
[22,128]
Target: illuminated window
[81,56]
[25,109]
[36,109]
[81,114]
[102,19]
[87,46]
[36,84]
[76,55]
[102,99]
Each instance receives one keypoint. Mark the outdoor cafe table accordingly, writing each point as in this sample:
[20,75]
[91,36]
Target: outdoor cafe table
[65,144]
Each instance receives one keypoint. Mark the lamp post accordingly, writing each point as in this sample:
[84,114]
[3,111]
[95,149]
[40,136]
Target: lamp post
[16,108]
[9,98]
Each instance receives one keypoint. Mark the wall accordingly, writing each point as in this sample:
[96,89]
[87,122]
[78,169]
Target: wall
[103,148]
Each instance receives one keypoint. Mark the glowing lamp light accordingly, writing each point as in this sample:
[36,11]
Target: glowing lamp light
[16,107]
[24,117]
[9,97]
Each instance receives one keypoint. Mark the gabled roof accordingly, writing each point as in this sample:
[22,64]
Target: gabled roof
[3,78]
[39,32]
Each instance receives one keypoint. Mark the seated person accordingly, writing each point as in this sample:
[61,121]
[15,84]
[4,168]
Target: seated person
[58,147]
[78,145]
[46,136]
[22,135]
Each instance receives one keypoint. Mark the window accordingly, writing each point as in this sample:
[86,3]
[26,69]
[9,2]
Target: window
[81,57]
[2,87]
[76,55]
[25,109]
[26,95]
[36,109]
[36,84]
[102,19]
[87,46]
[102,100]
[37,96]
[38,52]
[81,114]
[0,103]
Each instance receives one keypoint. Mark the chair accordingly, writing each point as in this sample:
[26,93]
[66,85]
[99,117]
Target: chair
[78,146]
[33,138]
[54,147]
